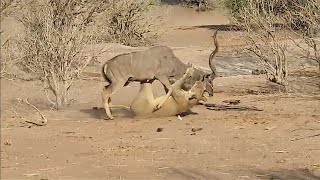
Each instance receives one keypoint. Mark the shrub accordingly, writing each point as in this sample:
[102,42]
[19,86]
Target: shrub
[263,38]
[8,58]
[126,22]
[127,25]
[235,6]
[263,21]
[53,42]
[5,8]
[202,5]
[303,18]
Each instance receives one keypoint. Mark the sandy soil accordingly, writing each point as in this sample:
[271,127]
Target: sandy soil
[269,135]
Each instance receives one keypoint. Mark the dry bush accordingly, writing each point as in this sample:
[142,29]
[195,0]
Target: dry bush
[7,56]
[125,22]
[205,5]
[202,5]
[264,39]
[235,6]
[5,10]
[300,16]
[5,63]
[303,18]
[52,46]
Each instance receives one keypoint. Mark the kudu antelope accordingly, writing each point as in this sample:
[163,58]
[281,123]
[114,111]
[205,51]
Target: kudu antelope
[179,102]
[157,62]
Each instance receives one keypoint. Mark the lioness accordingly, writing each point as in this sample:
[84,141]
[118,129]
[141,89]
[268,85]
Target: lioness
[180,100]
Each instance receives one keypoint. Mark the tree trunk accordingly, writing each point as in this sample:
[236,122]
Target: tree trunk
[61,96]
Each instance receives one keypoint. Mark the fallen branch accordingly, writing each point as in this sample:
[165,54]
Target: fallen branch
[217,107]
[232,102]
[44,120]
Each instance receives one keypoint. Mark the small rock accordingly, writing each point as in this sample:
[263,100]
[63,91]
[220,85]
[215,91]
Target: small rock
[159,129]
[269,128]
[8,143]
[258,71]
[196,129]
[281,161]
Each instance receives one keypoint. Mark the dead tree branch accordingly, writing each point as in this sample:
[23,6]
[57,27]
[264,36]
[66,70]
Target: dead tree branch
[44,120]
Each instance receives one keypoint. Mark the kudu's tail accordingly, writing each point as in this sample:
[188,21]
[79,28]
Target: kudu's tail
[103,72]
[214,52]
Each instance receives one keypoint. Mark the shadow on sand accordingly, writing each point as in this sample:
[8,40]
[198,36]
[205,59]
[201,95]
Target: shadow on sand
[170,2]
[221,107]
[188,174]
[281,174]
[220,27]
[123,112]
[284,174]
[99,113]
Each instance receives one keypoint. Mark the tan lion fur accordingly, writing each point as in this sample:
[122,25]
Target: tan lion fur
[180,100]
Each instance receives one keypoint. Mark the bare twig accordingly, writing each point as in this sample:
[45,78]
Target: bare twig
[48,98]
[44,120]
[219,107]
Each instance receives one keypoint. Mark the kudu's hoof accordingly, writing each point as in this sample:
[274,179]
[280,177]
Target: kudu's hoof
[108,118]
[156,108]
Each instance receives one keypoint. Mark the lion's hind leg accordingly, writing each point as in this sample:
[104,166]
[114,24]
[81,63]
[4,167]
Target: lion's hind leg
[143,103]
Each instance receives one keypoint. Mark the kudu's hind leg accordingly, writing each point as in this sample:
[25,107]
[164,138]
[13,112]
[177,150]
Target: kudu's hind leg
[106,99]
[106,96]
[166,89]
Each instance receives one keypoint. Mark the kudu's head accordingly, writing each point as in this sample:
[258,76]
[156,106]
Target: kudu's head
[205,78]
[208,78]
[198,90]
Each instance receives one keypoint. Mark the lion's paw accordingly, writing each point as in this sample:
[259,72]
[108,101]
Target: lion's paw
[190,71]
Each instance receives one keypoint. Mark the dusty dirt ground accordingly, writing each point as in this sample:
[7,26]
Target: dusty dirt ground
[278,140]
